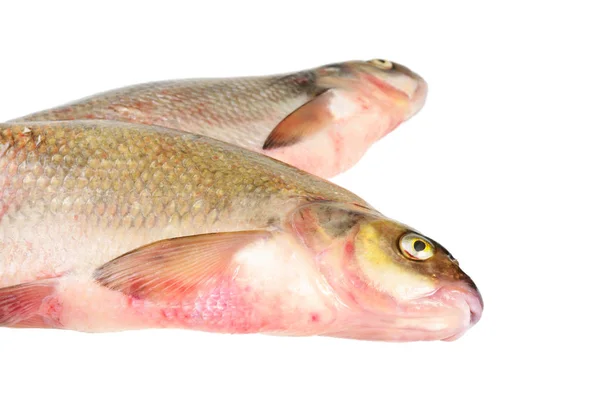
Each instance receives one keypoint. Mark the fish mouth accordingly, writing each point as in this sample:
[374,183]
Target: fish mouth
[407,91]
[444,315]
[415,89]
[472,298]
[418,97]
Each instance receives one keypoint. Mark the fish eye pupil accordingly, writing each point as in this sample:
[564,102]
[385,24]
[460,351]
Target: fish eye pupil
[419,245]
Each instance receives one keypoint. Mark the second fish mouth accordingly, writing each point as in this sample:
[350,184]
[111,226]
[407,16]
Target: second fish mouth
[418,98]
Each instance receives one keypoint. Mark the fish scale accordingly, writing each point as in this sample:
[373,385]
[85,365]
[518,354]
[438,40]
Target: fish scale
[103,175]
[235,105]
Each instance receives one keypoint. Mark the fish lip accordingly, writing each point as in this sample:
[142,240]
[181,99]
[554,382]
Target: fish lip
[455,303]
[476,305]
[471,296]
[415,94]
[419,97]
[462,292]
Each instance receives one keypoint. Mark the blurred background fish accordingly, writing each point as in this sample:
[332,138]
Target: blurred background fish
[321,120]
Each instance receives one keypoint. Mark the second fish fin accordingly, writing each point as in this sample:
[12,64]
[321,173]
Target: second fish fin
[304,122]
[22,302]
[174,268]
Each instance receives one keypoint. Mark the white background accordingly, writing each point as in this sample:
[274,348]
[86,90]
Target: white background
[501,167]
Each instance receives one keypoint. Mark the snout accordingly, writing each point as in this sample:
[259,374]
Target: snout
[413,86]
[467,296]
[417,100]
[475,301]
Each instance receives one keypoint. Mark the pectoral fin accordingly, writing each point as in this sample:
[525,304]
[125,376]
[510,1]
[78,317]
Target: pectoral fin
[19,304]
[174,268]
[304,122]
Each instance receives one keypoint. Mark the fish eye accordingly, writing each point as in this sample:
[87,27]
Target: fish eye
[415,247]
[382,63]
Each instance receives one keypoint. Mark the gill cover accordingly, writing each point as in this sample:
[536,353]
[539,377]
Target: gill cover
[321,224]
[381,263]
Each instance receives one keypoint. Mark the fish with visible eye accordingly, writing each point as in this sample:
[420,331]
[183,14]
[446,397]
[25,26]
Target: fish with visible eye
[320,120]
[110,226]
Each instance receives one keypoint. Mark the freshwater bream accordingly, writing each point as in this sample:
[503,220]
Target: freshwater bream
[108,226]
[321,120]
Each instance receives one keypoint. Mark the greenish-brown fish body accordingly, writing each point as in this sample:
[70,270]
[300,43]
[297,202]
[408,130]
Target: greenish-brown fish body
[320,120]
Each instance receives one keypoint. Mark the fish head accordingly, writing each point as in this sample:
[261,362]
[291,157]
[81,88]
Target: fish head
[392,86]
[393,283]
